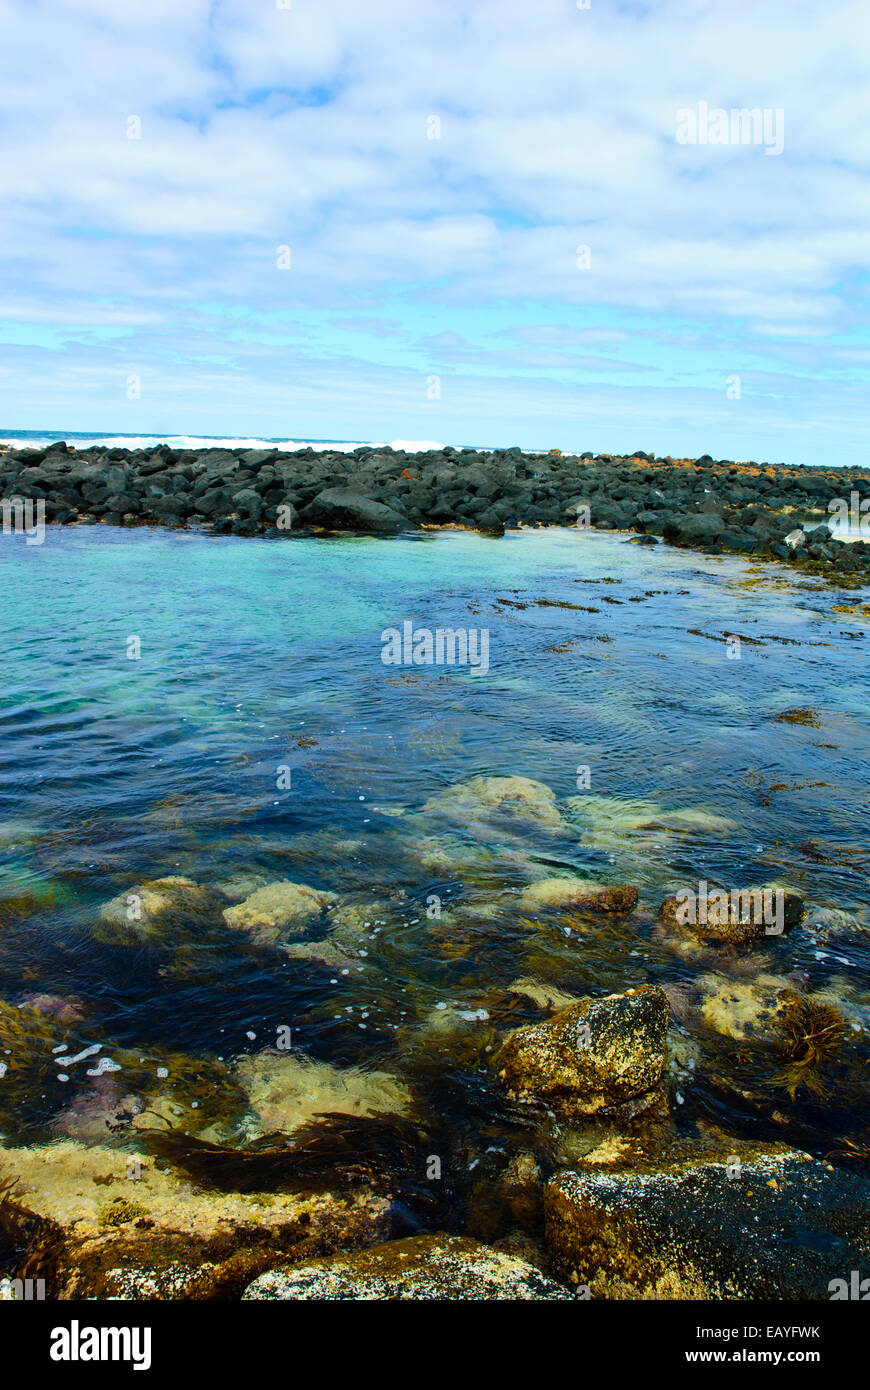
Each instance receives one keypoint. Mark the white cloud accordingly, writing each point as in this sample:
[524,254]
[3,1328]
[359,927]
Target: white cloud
[307,127]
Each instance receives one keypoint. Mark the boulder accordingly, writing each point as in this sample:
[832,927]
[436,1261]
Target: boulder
[701,527]
[758,1222]
[737,918]
[278,910]
[117,1229]
[427,1267]
[519,799]
[598,1055]
[582,893]
[160,910]
[343,509]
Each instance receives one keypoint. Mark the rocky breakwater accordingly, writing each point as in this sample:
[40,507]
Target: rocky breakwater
[769,511]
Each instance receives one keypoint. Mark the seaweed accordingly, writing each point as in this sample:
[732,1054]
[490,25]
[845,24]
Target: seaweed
[813,1034]
[30,1245]
[330,1151]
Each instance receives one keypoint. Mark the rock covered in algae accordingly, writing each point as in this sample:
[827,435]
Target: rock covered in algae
[744,1009]
[281,909]
[545,995]
[757,1223]
[576,892]
[593,1056]
[158,910]
[736,918]
[127,1226]
[285,1091]
[479,799]
[421,1267]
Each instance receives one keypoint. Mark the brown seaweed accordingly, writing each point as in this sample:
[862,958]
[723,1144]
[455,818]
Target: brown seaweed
[332,1150]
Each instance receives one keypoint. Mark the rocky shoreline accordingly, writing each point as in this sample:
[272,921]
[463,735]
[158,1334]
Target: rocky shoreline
[762,510]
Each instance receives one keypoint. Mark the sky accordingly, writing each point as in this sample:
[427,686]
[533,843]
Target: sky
[465,222]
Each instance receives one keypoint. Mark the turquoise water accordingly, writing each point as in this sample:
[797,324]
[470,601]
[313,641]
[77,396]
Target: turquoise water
[116,771]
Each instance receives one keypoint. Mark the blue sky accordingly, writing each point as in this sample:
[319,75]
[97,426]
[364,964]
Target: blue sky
[435,289]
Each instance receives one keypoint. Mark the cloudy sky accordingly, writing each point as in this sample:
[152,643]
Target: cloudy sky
[367,221]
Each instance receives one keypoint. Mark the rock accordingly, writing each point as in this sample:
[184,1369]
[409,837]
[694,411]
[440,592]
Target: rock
[422,1267]
[325,953]
[546,996]
[759,1223]
[742,1009]
[593,1056]
[580,893]
[737,918]
[517,798]
[121,1230]
[343,509]
[279,910]
[700,527]
[286,1091]
[160,910]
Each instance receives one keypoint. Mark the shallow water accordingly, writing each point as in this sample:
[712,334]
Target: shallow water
[116,771]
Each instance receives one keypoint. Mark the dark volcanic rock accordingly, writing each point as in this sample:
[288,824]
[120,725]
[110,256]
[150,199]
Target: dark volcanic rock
[342,509]
[701,527]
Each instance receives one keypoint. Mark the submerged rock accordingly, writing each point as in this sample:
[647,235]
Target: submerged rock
[421,1267]
[279,910]
[32,1042]
[580,893]
[758,1223]
[325,953]
[60,1006]
[745,1009]
[480,798]
[737,918]
[159,910]
[286,1091]
[593,1056]
[546,996]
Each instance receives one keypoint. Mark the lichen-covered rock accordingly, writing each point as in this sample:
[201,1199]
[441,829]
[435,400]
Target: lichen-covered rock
[756,1223]
[580,893]
[735,918]
[421,1267]
[279,910]
[593,1056]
